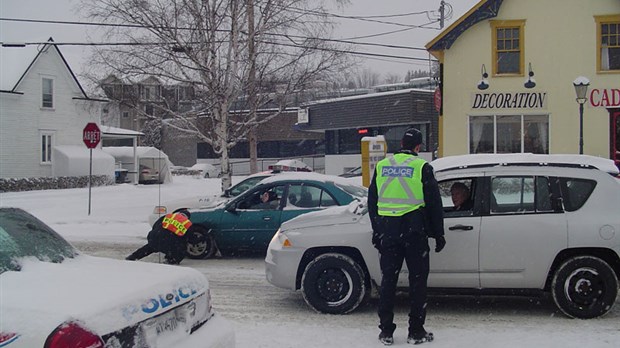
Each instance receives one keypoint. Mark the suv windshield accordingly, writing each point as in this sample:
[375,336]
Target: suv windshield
[23,235]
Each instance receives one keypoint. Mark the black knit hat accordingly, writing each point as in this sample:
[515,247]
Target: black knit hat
[411,139]
[183,211]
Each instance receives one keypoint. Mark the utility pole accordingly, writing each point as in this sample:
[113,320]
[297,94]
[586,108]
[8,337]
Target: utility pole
[442,8]
[252,135]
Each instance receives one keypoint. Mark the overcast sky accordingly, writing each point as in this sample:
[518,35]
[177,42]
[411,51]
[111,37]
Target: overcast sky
[64,10]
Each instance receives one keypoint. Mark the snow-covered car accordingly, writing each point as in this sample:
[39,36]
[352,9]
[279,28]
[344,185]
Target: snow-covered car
[538,224]
[52,296]
[206,170]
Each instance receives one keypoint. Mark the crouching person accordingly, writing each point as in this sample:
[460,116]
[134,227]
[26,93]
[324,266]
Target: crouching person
[168,236]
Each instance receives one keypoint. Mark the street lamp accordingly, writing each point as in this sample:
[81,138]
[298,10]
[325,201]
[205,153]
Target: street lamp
[581,89]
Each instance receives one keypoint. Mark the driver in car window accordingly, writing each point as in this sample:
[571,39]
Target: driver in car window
[460,197]
[268,200]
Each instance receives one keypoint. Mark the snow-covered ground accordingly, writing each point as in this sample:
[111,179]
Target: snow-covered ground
[265,316]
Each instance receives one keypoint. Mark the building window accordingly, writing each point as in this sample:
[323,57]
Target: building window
[47,93]
[46,147]
[608,43]
[125,114]
[509,134]
[349,141]
[508,47]
[151,92]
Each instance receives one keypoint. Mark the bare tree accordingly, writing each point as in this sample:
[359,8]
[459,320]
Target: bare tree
[205,44]
[392,78]
[366,78]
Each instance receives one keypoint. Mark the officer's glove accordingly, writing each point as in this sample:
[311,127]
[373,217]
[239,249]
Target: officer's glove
[440,243]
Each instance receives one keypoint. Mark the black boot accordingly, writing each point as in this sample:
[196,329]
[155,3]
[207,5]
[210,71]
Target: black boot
[386,338]
[420,337]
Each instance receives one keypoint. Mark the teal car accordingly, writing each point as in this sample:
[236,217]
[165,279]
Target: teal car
[246,223]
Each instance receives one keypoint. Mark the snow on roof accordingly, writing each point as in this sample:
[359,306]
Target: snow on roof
[463,161]
[127,151]
[307,176]
[370,95]
[108,130]
[80,152]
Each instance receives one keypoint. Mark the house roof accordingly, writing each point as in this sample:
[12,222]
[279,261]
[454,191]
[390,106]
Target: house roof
[484,9]
[9,84]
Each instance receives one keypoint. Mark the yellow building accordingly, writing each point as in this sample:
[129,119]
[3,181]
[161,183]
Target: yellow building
[508,73]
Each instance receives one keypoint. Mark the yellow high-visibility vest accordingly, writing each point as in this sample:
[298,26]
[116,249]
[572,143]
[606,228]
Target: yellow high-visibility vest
[399,184]
[176,223]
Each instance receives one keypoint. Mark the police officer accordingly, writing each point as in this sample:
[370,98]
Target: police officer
[405,208]
[168,236]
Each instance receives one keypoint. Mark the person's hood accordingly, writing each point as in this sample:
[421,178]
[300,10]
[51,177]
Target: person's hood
[104,294]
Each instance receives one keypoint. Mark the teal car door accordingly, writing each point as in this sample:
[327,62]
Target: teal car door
[250,224]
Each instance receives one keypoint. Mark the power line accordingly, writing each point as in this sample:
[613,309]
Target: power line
[390,32]
[368,54]
[140,26]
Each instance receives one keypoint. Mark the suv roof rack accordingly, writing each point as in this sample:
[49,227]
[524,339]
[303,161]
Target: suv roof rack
[524,159]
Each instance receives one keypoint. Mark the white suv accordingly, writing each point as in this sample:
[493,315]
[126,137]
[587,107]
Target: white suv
[537,223]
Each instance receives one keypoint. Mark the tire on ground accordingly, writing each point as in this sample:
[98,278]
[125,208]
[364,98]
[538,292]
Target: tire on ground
[200,244]
[584,287]
[333,283]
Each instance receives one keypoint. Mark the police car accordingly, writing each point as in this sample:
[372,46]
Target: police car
[54,297]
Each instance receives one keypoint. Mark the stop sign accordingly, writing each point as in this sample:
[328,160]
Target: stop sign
[91,135]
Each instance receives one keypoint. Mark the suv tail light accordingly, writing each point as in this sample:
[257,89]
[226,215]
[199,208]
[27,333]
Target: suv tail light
[73,335]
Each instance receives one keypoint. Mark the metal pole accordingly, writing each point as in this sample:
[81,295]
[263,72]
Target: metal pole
[581,128]
[90,174]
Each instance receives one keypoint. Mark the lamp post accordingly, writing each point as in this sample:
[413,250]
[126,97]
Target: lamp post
[581,89]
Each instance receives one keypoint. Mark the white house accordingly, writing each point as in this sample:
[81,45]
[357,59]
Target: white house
[43,113]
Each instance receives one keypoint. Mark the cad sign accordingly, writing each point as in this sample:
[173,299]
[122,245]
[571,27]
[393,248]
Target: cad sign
[91,135]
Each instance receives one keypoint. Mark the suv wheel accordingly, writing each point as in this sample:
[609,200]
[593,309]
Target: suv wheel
[333,283]
[200,244]
[584,287]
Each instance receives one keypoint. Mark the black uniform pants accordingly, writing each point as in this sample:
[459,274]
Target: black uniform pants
[174,254]
[413,248]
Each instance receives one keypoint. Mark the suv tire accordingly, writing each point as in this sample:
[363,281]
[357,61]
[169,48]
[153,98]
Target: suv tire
[333,283]
[200,244]
[584,287]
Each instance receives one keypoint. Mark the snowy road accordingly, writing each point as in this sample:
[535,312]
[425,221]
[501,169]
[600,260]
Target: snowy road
[266,316]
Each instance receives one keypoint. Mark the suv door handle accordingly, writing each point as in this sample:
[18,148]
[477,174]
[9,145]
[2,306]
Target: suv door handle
[461,227]
[267,218]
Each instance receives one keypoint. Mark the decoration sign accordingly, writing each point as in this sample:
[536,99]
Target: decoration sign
[509,100]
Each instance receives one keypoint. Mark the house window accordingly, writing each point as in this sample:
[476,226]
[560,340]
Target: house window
[46,147]
[47,95]
[150,92]
[608,43]
[508,47]
[125,114]
[509,134]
